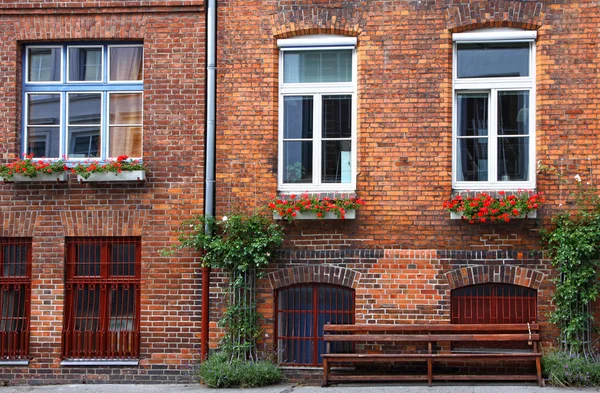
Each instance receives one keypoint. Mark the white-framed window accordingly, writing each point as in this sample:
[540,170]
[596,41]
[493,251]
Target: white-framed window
[493,118]
[317,114]
[83,101]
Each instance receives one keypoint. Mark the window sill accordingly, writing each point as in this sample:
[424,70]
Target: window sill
[350,215]
[114,177]
[41,177]
[14,362]
[100,362]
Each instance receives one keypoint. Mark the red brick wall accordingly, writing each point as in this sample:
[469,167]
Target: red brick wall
[404,132]
[173,34]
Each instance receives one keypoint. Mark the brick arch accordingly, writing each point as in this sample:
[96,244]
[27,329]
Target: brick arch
[481,274]
[324,274]
[496,13]
[294,23]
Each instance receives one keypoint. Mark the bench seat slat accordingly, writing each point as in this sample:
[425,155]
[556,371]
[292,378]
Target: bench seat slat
[410,356]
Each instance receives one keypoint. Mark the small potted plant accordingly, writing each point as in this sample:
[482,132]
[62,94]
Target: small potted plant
[29,170]
[121,169]
[307,207]
[484,207]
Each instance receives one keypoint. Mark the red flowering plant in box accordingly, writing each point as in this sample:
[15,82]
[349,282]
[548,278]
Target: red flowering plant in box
[121,164]
[288,207]
[29,167]
[486,208]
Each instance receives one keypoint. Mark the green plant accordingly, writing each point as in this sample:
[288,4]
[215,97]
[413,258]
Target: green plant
[288,206]
[574,247]
[484,207]
[294,172]
[219,371]
[29,167]
[241,245]
[116,166]
[574,370]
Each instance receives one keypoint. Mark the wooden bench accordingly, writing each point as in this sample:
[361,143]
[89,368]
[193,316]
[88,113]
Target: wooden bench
[490,339]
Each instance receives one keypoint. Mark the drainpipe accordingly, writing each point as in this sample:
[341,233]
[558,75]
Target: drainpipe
[209,167]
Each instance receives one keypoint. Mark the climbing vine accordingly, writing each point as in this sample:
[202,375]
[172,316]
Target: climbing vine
[574,247]
[241,245]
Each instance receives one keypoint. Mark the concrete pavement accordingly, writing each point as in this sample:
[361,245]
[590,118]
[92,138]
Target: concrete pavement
[344,388]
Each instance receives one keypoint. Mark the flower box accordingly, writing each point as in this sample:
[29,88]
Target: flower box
[41,177]
[531,214]
[350,215]
[138,175]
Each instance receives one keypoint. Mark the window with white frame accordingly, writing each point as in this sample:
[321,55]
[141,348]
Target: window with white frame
[494,109]
[317,113]
[83,101]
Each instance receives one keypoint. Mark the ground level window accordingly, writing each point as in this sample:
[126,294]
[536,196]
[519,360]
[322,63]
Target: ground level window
[494,303]
[302,311]
[15,295]
[102,298]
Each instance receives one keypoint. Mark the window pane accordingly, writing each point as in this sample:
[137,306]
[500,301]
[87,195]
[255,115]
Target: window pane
[15,260]
[43,109]
[125,141]
[297,162]
[84,142]
[85,108]
[513,159]
[472,114]
[485,60]
[298,117]
[88,259]
[85,64]
[87,307]
[472,162]
[126,108]
[123,259]
[513,113]
[43,142]
[44,64]
[126,63]
[337,116]
[317,66]
[336,162]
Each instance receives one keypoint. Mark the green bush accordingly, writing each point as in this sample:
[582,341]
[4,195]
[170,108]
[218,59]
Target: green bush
[563,369]
[219,371]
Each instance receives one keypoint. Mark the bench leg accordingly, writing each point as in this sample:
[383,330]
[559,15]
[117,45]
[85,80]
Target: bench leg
[325,373]
[429,372]
[538,366]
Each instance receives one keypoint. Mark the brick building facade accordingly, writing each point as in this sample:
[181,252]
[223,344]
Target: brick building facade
[393,85]
[159,310]
[403,258]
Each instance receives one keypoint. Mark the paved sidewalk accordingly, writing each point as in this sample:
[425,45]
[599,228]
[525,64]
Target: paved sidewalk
[345,388]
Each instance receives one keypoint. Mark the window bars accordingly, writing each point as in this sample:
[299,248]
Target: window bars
[15,297]
[102,310]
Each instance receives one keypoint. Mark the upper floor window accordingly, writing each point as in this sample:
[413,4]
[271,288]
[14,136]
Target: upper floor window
[83,101]
[317,114]
[494,109]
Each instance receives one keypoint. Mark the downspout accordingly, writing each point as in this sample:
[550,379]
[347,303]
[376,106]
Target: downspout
[209,167]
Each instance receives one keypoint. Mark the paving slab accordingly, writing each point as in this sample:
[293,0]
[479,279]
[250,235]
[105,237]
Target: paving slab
[345,388]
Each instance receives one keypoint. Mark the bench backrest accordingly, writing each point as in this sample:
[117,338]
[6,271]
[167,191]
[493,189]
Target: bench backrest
[431,333]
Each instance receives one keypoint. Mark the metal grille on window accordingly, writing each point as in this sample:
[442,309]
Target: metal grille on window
[494,303]
[103,296]
[15,296]
[302,311]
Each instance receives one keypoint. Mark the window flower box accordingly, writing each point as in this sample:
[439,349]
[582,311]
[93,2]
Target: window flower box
[350,215]
[120,169]
[315,207]
[40,177]
[501,207]
[138,175]
[29,170]
[531,214]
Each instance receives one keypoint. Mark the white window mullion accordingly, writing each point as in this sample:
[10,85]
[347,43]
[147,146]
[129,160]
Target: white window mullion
[493,137]
[317,138]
